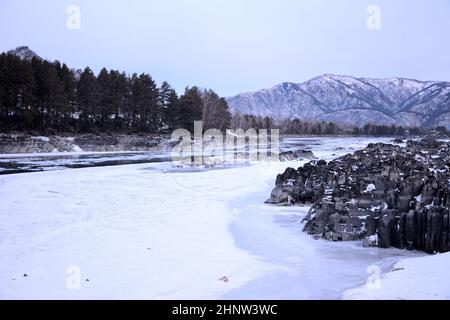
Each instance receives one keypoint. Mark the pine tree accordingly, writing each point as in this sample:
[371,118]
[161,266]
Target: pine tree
[88,98]
[190,109]
[54,98]
[26,110]
[106,99]
[144,103]
[149,107]
[120,97]
[12,87]
[69,83]
[168,103]
[3,110]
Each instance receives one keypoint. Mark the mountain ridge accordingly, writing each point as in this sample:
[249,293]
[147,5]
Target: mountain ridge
[351,100]
[24,53]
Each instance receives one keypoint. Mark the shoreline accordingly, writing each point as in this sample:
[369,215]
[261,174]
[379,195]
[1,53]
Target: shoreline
[409,279]
[203,225]
[300,264]
[290,267]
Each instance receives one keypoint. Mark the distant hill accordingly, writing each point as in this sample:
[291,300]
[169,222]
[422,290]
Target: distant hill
[24,53]
[354,101]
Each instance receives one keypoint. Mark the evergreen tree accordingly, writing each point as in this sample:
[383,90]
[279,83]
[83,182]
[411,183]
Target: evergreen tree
[189,109]
[37,67]
[168,103]
[3,79]
[26,103]
[69,83]
[88,95]
[106,99]
[56,102]
[120,99]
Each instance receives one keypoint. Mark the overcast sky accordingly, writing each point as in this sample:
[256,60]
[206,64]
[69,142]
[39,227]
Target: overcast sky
[235,46]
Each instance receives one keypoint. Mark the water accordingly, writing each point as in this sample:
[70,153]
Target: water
[36,163]
[302,268]
[11,164]
[306,268]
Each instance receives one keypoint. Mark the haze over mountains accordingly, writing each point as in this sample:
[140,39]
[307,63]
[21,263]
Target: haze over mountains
[350,100]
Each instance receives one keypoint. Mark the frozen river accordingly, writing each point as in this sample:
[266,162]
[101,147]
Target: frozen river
[147,231]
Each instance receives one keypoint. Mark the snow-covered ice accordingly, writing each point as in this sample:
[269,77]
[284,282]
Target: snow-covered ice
[146,231]
[134,232]
[412,279]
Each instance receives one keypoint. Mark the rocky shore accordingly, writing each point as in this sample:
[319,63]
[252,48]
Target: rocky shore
[21,143]
[296,155]
[385,195]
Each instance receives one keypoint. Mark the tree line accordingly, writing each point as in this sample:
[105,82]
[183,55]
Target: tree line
[38,95]
[318,128]
[48,97]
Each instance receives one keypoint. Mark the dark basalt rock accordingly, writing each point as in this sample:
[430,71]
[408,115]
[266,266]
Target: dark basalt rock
[386,195]
[398,140]
[296,155]
[438,135]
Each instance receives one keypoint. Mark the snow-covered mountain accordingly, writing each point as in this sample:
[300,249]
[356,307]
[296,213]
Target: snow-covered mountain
[24,53]
[355,101]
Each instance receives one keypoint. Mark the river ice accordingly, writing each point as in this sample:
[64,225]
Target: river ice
[147,231]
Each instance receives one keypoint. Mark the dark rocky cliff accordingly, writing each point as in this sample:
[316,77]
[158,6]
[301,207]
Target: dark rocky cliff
[385,195]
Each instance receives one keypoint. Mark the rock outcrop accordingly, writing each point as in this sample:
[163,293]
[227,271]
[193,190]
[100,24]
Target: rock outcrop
[90,142]
[20,143]
[385,195]
[296,155]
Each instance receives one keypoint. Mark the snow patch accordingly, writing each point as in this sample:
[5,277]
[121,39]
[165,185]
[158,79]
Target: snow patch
[371,187]
[421,278]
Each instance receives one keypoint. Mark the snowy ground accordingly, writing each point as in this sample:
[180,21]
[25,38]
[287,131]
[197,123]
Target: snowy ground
[149,232]
[411,279]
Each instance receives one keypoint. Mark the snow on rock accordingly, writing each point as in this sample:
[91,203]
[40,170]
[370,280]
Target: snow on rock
[24,53]
[370,187]
[22,143]
[77,149]
[388,206]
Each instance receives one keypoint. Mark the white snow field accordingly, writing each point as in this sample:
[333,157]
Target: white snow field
[412,279]
[150,231]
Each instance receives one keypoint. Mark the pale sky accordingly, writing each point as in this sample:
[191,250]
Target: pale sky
[235,46]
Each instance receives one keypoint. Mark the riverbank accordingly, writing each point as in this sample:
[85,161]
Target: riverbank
[28,144]
[152,231]
[422,278]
